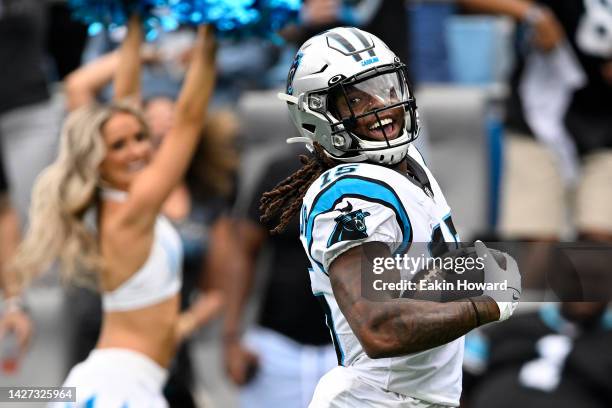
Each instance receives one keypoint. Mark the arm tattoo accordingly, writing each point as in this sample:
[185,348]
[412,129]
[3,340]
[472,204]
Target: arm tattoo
[401,326]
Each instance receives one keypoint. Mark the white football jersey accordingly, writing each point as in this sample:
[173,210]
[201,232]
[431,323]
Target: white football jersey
[360,202]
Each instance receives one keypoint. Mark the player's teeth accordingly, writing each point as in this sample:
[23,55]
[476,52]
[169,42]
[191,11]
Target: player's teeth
[383,122]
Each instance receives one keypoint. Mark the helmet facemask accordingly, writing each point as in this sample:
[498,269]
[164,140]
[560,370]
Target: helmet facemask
[371,114]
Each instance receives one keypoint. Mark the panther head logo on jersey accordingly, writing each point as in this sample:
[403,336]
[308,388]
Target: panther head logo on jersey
[350,226]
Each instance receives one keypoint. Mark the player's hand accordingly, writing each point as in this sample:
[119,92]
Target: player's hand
[18,322]
[547,31]
[500,267]
[241,364]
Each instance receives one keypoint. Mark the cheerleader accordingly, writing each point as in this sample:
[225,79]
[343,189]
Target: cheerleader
[97,210]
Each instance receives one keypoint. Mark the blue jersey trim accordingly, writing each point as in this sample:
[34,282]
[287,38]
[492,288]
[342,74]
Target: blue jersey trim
[364,188]
[90,403]
[477,347]
[451,228]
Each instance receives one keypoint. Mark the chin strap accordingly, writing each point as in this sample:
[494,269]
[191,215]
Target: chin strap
[302,139]
[287,98]
[299,139]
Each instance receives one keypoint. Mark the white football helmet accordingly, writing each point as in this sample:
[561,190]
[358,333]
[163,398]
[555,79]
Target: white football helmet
[349,92]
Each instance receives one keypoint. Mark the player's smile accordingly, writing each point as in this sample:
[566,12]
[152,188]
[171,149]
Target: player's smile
[392,122]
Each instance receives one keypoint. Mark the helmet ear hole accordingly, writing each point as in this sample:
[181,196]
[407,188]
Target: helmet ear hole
[335,79]
[309,128]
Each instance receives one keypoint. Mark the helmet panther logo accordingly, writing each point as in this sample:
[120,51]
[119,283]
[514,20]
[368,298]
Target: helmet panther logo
[349,226]
[294,66]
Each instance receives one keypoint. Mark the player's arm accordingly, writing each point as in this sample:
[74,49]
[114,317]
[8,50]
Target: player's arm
[393,327]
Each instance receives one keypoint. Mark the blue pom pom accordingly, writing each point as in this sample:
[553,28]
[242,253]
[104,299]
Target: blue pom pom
[238,18]
[276,14]
[110,14]
[232,18]
[224,14]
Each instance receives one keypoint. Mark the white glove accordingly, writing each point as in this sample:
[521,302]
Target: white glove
[500,267]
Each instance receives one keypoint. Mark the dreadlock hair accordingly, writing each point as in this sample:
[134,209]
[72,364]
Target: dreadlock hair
[285,199]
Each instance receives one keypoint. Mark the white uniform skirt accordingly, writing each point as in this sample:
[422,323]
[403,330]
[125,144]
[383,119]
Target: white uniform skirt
[116,378]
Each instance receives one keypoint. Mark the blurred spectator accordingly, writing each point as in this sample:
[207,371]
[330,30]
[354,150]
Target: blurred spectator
[388,21]
[385,19]
[66,39]
[556,357]
[429,61]
[13,318]
[244,66]
[195,208]
[259,64]
[559,123]
[164,61]
[29,122]
[279,360]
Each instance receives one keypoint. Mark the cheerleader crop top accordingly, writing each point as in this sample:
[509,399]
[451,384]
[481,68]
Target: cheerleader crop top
[159,278]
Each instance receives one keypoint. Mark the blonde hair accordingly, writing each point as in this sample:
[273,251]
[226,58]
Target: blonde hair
[61,196]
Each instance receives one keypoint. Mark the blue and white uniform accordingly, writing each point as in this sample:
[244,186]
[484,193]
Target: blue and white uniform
[356,203]
[120,377]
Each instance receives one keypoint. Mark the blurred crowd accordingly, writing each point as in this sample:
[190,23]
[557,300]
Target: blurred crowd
[550,180]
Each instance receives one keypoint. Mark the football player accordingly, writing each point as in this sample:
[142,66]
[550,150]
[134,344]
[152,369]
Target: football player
[365,192]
